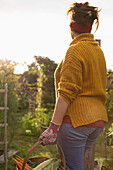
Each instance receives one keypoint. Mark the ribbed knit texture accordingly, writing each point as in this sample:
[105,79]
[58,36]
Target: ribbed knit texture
[81,80]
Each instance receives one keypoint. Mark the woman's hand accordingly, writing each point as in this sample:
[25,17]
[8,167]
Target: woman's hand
[49,135]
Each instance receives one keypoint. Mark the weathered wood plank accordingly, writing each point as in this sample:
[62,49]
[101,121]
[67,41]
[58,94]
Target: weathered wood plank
[2,143]
[2,161]
[3,90]
[10,154]
[3,125]
[4,108]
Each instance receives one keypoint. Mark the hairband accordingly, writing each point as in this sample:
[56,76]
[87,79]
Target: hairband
[79,28]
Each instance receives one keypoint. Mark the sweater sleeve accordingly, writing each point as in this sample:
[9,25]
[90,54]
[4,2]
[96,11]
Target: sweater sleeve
[70,75]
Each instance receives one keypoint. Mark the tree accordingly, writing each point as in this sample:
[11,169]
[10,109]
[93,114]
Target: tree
[45,82]
[27,86]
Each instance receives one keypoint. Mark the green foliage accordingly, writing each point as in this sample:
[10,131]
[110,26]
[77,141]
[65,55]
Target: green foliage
[7,75]
[110,130]
[31,163]
[30,124]
[27,86]
[109,105]
[23,88]
[45,82]
[109,94]
[107,165]
[43,116]
[23,144]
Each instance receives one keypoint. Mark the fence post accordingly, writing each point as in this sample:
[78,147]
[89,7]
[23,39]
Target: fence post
[5,128]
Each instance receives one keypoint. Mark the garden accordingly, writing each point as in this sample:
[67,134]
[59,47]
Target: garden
[31,101]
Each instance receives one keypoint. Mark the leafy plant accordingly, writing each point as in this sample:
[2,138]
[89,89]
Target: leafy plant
[110,133]
[109,94]
[27,86]
[45,82]
[107,165]
[108,141]
[43,116]
[30,124]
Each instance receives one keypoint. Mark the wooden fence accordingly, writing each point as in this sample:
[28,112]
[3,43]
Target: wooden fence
[4,125]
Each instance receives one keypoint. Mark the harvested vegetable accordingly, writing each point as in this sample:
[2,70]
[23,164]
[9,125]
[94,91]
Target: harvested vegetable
[19,163]
[50,164]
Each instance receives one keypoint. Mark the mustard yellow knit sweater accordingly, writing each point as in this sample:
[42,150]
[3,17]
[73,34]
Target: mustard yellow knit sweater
[81,81]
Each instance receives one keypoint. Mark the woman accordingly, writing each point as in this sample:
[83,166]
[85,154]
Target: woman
[81,90]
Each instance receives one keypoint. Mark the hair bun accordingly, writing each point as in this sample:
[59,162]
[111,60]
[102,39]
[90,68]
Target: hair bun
[86,4]
[84,14]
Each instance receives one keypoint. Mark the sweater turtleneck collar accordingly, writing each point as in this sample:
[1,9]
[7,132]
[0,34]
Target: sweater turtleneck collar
[83,37]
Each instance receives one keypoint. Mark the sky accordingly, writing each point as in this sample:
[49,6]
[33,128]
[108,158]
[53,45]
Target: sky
[41,28]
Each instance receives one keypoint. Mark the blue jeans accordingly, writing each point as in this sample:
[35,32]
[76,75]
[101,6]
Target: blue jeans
[75,142]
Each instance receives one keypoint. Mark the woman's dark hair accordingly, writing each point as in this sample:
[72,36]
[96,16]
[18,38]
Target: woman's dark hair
[84,14]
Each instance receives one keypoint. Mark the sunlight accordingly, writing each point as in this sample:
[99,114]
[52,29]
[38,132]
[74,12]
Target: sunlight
[43,30]
[20,68]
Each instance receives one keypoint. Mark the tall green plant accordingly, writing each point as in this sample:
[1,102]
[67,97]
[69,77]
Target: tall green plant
[27,86]
[30,124]
[46,89]
[109,94]
[109,109]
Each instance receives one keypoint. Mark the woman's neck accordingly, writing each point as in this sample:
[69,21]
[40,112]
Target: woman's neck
[74,34]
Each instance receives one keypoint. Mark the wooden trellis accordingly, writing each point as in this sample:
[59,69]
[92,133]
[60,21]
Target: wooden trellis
[32,107]
[4,125]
